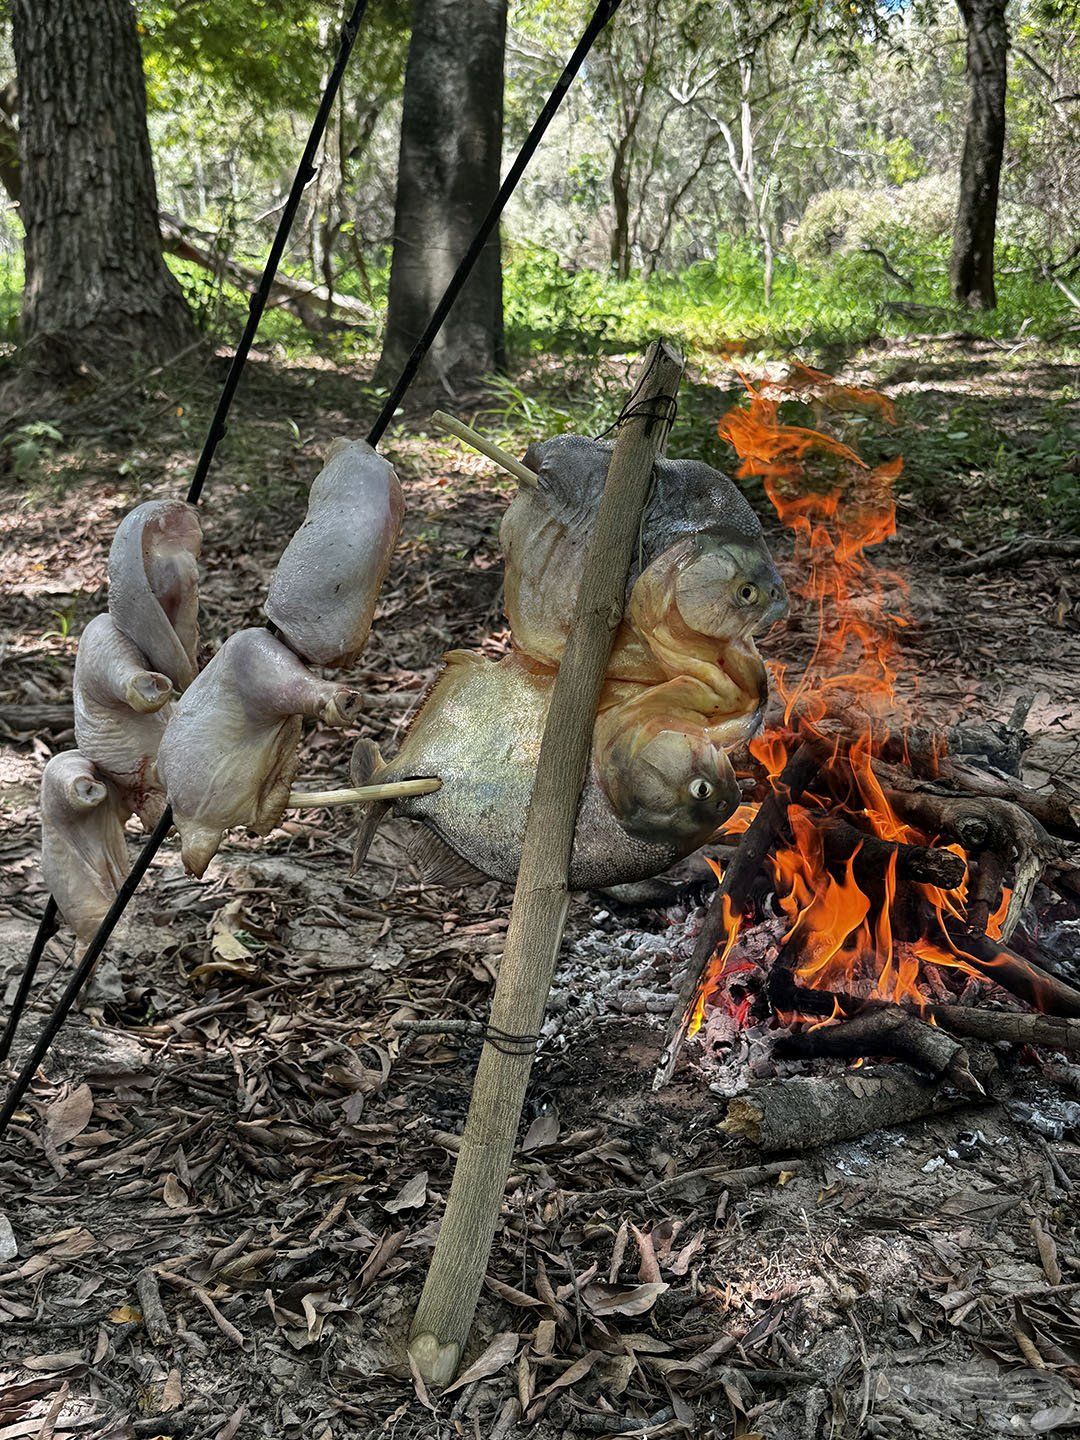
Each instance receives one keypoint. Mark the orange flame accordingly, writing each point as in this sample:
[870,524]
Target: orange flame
[843,937]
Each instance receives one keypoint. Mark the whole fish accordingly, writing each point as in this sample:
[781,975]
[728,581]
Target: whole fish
[657,797]
[702,584]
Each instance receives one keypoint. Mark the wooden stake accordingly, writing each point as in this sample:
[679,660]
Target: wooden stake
[444,1315]
[360,794]
[521,473]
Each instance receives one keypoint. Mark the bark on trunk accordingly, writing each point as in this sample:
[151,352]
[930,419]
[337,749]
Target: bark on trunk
[448,175]
[971,273]
[97,289]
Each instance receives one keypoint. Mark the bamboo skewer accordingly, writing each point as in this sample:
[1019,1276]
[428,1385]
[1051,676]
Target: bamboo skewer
[360,794]
[443,1317]
[465,433]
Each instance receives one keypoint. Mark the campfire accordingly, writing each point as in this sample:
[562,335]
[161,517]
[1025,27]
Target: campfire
[882,877]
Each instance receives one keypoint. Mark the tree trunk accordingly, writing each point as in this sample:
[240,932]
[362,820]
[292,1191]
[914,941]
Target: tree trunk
[97,289]
[971,273]
[448,175]
[620,198]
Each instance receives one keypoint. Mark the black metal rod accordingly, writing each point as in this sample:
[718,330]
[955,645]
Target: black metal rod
[85,966]
[256,306]
[305,173]
[47,928]
[601,15]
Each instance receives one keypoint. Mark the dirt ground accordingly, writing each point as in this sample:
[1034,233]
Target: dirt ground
[233,1124]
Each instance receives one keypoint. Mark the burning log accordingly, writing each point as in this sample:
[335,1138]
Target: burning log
[1014,1027]
[886,1030]
[1051,1032]
[1023,978]
[731,895]
[927,864]
[804,1112]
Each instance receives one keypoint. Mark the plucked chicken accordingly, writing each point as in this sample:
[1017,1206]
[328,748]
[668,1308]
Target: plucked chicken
[121,710]
[154,585]
[83,858]
[323,594]
[229,752]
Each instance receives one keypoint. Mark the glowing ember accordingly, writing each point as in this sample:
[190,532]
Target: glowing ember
[840,936]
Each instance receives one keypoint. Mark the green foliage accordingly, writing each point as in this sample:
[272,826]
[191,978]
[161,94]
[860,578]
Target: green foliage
[719,305]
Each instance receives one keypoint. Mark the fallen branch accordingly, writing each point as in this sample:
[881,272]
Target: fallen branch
[709,1179]
[1016,552]
[301,298]
[731,895]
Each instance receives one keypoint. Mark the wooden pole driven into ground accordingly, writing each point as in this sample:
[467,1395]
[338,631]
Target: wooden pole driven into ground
[445,1312]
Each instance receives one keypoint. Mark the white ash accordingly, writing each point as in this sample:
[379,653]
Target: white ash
[607,972]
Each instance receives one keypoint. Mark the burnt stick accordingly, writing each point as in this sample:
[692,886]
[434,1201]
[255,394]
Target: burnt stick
[748,859]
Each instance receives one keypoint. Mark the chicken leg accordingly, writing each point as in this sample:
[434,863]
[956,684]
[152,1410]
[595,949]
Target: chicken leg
[121,710]
[154,585]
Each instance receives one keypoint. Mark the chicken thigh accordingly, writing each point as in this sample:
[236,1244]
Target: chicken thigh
[323,594]
[121,710]
[229,752]
[83,857]
[154,585]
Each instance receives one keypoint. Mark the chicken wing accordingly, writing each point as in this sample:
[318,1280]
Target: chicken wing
[228,755]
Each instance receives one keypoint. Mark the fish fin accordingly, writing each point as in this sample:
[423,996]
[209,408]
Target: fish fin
[366,762]
[440,864]
[371,817]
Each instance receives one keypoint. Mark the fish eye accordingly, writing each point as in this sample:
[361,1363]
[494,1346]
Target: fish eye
[700,789]
[748,593]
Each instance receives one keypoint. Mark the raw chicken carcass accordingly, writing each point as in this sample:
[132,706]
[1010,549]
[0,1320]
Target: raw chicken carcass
[229,753]
[154,585]
[121,710]
[323,594]
[83,857]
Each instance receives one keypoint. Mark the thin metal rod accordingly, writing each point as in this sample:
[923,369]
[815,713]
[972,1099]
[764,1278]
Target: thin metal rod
[305,173]
[468,436]
[47,928]
[600,17]
[85,967]
[361,794]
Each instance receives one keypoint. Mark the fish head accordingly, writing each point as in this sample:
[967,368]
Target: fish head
[668,783]
[727,587]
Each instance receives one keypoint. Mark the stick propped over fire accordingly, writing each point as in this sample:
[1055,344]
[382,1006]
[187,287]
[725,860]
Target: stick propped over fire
[901,871]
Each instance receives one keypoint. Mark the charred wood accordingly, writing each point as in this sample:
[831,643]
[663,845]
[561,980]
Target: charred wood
[890,1031]
[927,864]
[805,1112]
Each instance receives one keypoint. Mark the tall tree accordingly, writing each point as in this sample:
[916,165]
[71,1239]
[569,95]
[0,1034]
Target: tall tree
[448,175]
[97,289]
[971,272]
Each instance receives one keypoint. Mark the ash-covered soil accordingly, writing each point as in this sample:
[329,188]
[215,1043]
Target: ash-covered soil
[234,1125]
